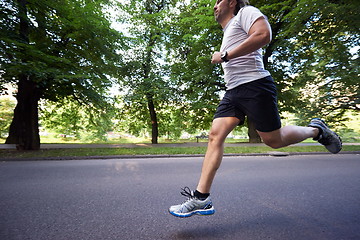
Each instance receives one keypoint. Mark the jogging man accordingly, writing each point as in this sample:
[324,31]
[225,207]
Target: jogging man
[251,92]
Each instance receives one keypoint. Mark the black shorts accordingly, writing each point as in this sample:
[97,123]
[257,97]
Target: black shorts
[257,100]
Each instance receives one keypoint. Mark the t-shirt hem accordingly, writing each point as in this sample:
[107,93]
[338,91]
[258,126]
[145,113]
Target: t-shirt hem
[238,83]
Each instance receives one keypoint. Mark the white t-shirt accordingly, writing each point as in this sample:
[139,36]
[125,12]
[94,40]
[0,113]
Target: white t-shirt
[249,67]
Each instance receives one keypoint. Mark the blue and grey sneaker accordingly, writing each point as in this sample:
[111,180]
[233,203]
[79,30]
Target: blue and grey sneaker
[328,138]
[192,205]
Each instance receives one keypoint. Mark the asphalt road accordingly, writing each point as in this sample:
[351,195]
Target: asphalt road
[293,197]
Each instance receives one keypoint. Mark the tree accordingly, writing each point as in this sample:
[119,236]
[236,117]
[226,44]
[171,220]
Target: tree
[334,70]
[193,37]
[311,56]
[148,89]
[51,50]
[312,43]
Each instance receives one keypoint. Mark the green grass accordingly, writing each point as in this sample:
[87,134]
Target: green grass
[55,139]
[83,152]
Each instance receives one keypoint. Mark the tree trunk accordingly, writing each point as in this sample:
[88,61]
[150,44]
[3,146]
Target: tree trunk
[149,94]
[24,128]
[154,122]
[252,133]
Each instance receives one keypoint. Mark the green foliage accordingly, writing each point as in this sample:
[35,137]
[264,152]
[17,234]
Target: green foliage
[63,48]
[7,106]
[70,118]
[314,50]
[194,35]
[74,56]
[71,48]
[149,93]
[309,57]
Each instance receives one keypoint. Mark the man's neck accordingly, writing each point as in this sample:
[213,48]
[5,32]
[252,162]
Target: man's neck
[225,21]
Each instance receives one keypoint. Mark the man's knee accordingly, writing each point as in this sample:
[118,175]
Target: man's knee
[215,137]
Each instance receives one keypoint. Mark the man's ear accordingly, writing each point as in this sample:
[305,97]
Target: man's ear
[233,3]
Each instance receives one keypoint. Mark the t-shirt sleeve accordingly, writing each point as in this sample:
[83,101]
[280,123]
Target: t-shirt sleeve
[247,16]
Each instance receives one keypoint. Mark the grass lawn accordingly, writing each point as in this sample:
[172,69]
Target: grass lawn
[78,152]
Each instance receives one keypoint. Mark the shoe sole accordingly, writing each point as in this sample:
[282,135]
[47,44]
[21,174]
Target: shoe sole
[205,212]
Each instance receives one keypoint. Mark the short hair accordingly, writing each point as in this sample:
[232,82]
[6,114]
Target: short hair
[240,4]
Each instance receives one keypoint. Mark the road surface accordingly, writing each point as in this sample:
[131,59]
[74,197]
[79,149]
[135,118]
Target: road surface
[292,197]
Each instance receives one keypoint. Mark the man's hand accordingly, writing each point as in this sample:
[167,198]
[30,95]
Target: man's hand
[216,58]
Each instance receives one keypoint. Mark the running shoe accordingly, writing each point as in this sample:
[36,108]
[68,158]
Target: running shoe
[328,138]
[192,206]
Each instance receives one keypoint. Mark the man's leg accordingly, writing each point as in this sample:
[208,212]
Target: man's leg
[317,130]
[288,135]
[202,205]
[220,128]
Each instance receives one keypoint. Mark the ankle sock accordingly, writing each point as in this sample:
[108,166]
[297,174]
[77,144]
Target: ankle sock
[319,135]
[201,196]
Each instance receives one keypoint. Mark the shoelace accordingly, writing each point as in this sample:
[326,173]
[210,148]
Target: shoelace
[186,191]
